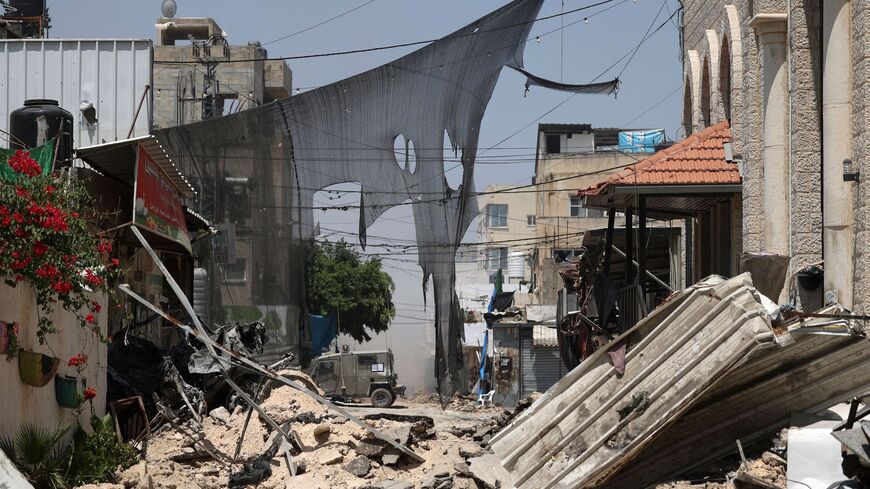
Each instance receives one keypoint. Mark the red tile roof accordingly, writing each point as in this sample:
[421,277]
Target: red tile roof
[697,160]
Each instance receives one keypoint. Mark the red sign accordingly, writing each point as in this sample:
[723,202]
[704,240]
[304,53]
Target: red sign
[158,204]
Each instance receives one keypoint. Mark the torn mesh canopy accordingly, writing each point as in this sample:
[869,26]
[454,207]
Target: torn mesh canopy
[345,132]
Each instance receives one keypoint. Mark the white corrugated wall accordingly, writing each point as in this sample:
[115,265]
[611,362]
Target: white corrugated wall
[111,74]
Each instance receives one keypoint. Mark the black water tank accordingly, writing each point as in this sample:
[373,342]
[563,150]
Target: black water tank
[39,121]
[27,8]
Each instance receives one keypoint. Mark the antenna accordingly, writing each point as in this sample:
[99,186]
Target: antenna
[168,8]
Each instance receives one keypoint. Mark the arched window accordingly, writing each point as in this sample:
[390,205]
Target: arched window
[688,106]
[705,93]
[725,77]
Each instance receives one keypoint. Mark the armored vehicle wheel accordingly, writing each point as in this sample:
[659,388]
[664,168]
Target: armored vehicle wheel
[382,398]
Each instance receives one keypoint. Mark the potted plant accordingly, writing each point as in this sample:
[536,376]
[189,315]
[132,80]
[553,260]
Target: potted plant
[69,390]
[35,368]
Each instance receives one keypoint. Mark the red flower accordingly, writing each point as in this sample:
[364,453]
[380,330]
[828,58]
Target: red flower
[20,233]
[104,247]
[22,163]
[114,262]
[97,307]
[49,189]
[21,192]
[93,279]
[90,393]
[39,248]
[79,360]
[90,318]
[47,271]
[62,287]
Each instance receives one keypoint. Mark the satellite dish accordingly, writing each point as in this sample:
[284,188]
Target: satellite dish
[168,8]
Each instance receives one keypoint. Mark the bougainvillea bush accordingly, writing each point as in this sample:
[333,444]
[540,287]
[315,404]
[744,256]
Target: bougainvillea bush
[47,240]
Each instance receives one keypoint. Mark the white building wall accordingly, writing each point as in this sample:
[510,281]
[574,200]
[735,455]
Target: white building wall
[23,403]
[111,74]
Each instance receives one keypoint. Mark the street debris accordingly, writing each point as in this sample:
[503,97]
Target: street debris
[716,362]
[331,451]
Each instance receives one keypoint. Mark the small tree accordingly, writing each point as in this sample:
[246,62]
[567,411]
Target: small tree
[338,279]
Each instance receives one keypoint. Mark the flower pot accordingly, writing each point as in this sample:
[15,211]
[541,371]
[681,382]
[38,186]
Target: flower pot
[36,369]
[67,390]
[810,278]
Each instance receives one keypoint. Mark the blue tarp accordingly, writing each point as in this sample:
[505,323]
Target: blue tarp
[641,141]
[323,331]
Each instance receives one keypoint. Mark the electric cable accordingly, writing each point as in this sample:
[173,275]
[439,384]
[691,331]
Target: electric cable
[399,45]
[288,36]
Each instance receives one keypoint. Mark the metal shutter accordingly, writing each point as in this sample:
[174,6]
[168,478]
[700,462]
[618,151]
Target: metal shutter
[541,367]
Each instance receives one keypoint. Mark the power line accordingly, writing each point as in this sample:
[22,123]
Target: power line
[321,23]
[400,45]
[666,97]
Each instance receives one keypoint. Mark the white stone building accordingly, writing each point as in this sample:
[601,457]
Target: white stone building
[792,77]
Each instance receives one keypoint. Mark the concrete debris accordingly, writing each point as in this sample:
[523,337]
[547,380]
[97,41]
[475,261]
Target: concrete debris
[329,456]
[221,414]
[359,466]
[330,451]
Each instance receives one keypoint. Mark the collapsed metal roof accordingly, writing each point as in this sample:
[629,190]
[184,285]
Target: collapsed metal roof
[702,370]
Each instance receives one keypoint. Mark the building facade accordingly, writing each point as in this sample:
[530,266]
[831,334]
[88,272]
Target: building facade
[568,157]
[792,77]
[507,230]
[207,77]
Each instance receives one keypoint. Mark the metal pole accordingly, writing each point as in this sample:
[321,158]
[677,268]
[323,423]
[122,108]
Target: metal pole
[646,272]
[135,117]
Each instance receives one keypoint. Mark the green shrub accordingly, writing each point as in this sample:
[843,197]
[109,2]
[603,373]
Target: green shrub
[98,456]
[40,455]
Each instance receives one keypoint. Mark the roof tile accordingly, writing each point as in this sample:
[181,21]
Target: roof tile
[696,160]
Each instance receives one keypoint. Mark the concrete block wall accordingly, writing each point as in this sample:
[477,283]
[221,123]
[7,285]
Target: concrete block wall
[243,80]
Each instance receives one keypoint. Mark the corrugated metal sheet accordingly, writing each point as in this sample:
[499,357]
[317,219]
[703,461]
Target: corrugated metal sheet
[575,435]
[753,402]
[111,74]
[709,381]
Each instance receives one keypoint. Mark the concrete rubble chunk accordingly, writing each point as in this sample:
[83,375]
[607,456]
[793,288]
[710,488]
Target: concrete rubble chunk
[487,470]
[10,476]
[390,456]
[322,430]
[359,466]
[220,414]
[329,456]
[369,448]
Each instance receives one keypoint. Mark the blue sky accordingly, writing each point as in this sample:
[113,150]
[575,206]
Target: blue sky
[576,54]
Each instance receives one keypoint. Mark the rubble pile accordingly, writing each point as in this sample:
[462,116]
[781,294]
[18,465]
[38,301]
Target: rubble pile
[330,451]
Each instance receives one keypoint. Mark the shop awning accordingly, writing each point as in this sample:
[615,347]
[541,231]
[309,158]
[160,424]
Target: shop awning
[118,160]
